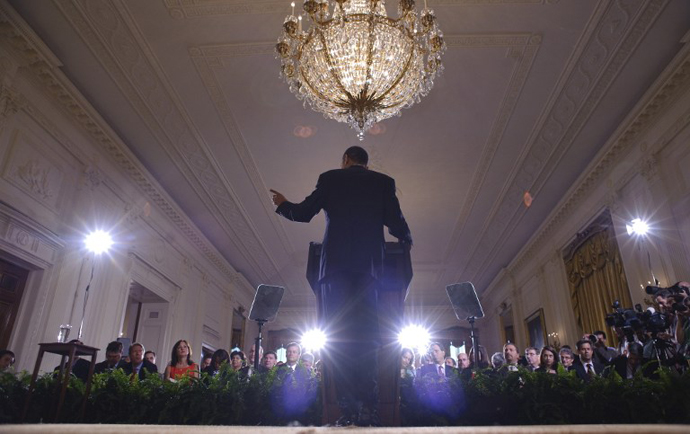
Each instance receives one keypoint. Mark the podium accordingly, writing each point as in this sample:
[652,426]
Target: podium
[394,282]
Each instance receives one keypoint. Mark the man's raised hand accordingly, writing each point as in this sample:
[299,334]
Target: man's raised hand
[277,198]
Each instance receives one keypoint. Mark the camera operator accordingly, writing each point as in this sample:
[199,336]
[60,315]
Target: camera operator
[603,353]
[627,365]
[669,325]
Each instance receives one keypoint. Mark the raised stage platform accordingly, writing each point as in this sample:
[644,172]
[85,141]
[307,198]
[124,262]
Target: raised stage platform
[185,429]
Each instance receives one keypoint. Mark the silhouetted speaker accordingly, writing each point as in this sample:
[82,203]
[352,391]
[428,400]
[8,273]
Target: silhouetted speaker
[266,303]
[464,299]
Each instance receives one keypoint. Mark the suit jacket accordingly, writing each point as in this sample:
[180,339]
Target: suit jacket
[581,372]
[103,367]
[433,370]
[358,203]
[148,366]
[80,368]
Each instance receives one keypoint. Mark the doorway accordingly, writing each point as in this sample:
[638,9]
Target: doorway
[145,320]
[12,282]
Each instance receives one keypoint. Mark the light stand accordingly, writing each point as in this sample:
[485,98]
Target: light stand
[466,305]
[264,309]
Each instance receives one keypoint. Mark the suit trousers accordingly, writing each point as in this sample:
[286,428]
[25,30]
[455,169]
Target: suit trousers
[350,318]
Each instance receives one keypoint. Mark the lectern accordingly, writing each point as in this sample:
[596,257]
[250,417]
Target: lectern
[394,284]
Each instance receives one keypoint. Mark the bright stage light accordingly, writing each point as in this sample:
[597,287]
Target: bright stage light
[637,227]
[313,340]
[98,242]
[414,336]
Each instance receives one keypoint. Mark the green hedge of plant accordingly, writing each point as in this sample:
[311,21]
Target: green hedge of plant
[268,399]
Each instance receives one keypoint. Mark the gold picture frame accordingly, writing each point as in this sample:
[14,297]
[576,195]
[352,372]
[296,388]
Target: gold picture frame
[535,328]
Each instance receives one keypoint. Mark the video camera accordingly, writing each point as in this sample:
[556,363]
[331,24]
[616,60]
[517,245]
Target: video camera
[679,293]
[633,321]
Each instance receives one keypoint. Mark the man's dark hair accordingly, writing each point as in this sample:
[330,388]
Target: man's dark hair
[357,154]
[271,352]
[149,351]
[600,332]
[114,347]
[635,348]
[5,352]
[581,342]
[441,347]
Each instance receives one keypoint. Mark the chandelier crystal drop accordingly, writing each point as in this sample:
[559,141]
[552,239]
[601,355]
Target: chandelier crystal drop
[355,64]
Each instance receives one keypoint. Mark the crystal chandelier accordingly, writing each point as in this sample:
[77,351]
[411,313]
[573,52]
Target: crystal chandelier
[355,64]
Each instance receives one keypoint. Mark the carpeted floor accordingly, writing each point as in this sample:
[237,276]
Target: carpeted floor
[180,429]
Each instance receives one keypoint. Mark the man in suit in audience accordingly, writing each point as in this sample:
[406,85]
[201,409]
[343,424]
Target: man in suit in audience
[137,364]
[439,367]
[587,367]
[512,356]
[532,358]
[113,354]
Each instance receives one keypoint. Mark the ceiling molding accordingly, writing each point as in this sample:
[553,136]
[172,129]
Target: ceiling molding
[603,57]
[526,46]
[113,37]
[658,99]
[190,9]
[81,111]
[186,9]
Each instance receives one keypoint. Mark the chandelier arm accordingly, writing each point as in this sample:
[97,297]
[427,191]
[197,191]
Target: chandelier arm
[370,53]
[329,61]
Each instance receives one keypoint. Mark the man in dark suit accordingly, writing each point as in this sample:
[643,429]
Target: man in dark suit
[439,367]
[113,354]
[358,204]
[587,367]
[137,364]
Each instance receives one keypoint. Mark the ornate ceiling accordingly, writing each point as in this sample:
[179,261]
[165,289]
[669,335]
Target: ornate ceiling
[531,91]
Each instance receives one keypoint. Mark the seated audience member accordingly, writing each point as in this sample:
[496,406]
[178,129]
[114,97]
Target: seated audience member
[292,353]
[219,358]
[237,360]
[587,367]
[483,358]
[248,369]
[150,356]
[450,361]
[407,363]
[205,362]
[463,361]
[497,361]
[252,354]
[137,365]
[548,360]
[113,354]
[512,356]
[567,358]
[307,360]
[181,363]
[80,367]
[439,368]
[531,358]
[627,365]
[6,360]
[270,359]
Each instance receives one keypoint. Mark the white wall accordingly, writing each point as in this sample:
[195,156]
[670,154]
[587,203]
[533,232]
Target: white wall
[63,173]
[642,171]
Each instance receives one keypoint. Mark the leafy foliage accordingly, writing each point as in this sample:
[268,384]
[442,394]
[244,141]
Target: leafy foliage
[273,398]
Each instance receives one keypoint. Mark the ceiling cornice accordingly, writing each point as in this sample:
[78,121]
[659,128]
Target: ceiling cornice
[42,65]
